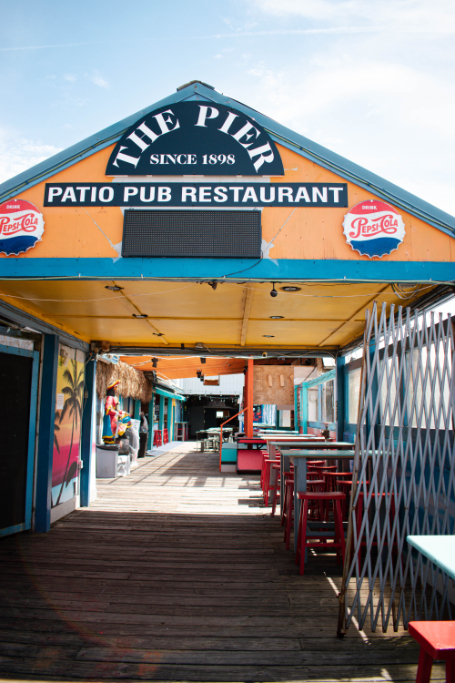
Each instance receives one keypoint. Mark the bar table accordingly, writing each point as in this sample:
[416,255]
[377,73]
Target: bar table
[299,459]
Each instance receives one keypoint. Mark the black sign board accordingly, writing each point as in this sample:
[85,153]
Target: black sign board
[197,195]
[195,138]
[209,234]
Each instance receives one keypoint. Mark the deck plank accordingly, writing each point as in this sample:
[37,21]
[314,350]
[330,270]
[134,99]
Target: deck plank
[177,573]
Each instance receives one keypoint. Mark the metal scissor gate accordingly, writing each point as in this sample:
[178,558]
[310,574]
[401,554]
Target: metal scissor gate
[403,473]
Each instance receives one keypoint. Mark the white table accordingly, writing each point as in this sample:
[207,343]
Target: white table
[438,549]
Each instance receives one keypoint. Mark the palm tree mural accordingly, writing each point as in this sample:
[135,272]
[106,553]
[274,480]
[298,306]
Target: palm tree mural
[57,429]
[73,406]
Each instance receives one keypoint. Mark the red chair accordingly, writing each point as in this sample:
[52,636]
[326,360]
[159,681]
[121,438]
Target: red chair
[316,539]
[437,641]
[157,440]
[165,436]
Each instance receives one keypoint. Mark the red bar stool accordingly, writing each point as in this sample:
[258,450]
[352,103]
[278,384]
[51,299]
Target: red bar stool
[165,436]
[157,440]
[265,456]
[314,540]
[437,641]
[288,510]
[266,480]
[275,486]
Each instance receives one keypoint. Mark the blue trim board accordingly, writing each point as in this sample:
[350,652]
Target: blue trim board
[31,440]
[297,143]
[161,417]
[18,352]
[30,469]
[168,394]
[46,433]
[13,530]
[22,318]
[340,396]
[299,270]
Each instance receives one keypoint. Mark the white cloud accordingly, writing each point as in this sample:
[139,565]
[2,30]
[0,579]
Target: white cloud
[19,155]
[99,80]
[394,15]
[70,77]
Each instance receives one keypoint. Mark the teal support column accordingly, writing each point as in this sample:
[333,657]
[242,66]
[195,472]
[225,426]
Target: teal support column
[87,433]
[169,419]
[304,408]
[151,415]
[43,501]
[340,397]
[137,409]
[161,418]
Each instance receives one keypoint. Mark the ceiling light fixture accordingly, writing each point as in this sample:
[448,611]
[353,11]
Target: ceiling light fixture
[270,336]
[114,288]
[291,288]
[276,317]
[158,334]
[273,293]
[140,315]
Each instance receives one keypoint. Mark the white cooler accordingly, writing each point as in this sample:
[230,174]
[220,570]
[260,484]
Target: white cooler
[107,458]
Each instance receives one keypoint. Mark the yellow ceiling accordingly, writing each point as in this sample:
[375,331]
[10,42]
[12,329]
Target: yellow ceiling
[319,316]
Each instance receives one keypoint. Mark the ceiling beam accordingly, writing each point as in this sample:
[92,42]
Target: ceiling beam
[248,300]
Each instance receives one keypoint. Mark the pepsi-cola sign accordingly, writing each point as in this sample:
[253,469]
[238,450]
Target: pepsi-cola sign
[21,226]
[373,228]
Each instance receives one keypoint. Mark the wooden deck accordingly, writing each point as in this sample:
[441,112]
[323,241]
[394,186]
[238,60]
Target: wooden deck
[177,573]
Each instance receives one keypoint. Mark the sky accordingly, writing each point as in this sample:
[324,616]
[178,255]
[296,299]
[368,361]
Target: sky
[370,80]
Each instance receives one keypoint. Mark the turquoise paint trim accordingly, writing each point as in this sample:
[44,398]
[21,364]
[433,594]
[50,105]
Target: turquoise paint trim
[330,270]
[161,420]
[170,421]
[31,440]
[30,469]
[168,394]
[322,379]
[321,425]
[151,413]
[88,420]
[280,134]
[137,409]
[304,404]
[46,433]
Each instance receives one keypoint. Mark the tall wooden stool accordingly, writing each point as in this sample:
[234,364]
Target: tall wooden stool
[437,641]
[316,540]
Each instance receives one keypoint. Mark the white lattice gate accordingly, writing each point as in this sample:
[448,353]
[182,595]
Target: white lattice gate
[404,471]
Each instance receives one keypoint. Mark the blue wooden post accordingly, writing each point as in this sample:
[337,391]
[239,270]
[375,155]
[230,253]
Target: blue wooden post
[151,415]
[43,502]
[137,409]
[340,389]
[88,424]
[170,411]
[304,404]
[161,419]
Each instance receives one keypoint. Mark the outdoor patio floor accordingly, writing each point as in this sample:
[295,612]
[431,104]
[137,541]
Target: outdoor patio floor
[177,573]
